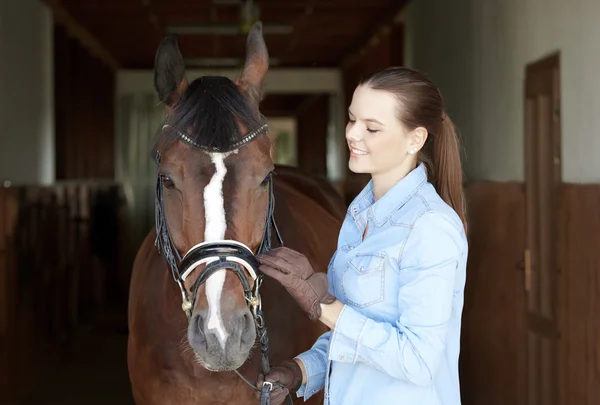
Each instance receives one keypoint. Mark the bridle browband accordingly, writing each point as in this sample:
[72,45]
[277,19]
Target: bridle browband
[249,137]
[221,255]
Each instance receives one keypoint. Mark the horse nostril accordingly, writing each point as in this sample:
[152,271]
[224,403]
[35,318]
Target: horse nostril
[248,330]
[200,338]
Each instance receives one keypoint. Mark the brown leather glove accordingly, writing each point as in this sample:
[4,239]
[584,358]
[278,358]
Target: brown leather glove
[294,272]
[287,377]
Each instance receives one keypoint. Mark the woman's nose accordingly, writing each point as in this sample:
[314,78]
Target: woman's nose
[352,134]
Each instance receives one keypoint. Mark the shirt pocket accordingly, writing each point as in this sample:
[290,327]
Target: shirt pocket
[363,281]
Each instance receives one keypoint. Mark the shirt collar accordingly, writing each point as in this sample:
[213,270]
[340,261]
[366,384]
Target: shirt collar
[381,210]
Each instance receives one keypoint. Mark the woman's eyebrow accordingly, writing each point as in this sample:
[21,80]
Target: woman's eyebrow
[375,121]
[369,119]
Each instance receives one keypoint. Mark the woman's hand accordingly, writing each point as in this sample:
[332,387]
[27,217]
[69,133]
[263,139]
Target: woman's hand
[286,378]
[294,272]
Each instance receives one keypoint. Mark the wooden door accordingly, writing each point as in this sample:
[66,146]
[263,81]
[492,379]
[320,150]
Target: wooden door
[542,182]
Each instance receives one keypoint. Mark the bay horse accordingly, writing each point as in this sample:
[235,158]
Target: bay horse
[196,314]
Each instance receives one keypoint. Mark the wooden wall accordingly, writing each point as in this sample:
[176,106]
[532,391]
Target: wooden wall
[580,282]
[493,354]
[59,255]
[492,367]
[387,50]
[84,111]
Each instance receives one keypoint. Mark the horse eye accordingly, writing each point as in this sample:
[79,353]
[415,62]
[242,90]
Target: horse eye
[266,180]
[167,182]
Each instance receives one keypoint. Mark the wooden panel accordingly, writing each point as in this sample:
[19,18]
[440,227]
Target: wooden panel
[313,120]
[492,362]
[8,215]
[494,353]
[580,338]
[51,274]
[283,105]
[84,116]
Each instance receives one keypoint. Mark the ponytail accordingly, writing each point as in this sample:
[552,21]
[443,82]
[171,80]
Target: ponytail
[442,160]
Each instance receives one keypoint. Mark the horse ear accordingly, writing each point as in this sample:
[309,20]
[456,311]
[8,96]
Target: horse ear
[257,63]
[169,71]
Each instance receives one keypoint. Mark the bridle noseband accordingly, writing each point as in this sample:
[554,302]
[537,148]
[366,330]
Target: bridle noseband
[220,255]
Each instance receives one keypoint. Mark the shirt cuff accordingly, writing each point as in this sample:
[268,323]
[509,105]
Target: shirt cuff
[315,375]
[346,336]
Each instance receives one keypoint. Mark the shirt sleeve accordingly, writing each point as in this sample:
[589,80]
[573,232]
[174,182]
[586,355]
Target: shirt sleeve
[316,360]
[409,349]
[315,363]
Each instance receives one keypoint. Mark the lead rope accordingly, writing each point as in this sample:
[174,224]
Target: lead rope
[265,394]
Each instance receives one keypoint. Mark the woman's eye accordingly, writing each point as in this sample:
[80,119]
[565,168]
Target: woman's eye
[167,182]
[372,130]
[266,180]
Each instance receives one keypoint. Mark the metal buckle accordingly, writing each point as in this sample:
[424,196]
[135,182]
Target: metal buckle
[269,384]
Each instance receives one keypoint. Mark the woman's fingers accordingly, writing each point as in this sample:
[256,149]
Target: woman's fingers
[275,273]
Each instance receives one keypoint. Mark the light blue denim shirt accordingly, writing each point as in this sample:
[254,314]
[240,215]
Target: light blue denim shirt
[397,339]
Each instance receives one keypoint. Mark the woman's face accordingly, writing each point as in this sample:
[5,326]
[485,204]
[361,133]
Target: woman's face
[378,142]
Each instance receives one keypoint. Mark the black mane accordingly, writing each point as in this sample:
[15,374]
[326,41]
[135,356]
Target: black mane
[209,113]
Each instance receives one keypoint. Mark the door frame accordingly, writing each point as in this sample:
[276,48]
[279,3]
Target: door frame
[541,325]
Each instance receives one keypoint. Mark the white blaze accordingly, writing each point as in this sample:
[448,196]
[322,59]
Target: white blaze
[215,225]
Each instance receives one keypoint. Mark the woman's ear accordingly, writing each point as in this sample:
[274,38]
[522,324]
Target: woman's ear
[417,139]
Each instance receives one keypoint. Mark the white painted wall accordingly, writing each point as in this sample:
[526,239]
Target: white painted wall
[476,50]
[26,89]
[278,80]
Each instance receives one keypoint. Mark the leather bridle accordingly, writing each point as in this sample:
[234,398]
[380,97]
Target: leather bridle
[220,255]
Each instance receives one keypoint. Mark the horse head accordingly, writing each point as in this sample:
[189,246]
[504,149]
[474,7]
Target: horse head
[214,198]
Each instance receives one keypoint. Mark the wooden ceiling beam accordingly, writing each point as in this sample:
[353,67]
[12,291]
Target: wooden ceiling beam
[322,29]
[379,29]
[62,16]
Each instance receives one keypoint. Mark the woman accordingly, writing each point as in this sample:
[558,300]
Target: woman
[393,295]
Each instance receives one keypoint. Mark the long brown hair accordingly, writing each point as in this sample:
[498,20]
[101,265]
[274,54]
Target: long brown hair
[420,104]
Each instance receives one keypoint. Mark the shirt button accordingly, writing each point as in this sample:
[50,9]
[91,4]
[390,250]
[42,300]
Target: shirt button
[341,357]
[362,269]
[350,247]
